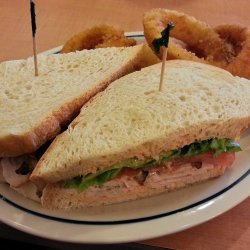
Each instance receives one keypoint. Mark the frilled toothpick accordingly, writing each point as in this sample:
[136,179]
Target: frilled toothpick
[163,41]
[33,24]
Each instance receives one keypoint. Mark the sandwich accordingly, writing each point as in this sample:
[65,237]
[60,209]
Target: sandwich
[36,109]
[133,141]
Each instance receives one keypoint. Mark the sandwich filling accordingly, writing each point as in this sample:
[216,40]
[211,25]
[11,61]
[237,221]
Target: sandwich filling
[16,172]
[166,167]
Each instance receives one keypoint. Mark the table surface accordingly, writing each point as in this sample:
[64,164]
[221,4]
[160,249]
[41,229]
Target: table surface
[58,20]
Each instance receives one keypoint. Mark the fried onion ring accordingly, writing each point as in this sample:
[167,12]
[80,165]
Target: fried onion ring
[203,44]
[99,36]
[239,38]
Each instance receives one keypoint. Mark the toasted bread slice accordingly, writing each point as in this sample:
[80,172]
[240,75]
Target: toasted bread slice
[56,196]
[132,118]
[34,109]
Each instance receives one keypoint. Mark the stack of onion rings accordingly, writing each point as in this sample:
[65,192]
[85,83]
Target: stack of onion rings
[227,46]
[99,36]
[239,38]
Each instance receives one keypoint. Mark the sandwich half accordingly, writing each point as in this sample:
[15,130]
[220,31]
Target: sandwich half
[35,109]
[133,141]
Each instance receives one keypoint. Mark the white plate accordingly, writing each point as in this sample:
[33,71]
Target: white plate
[137,220]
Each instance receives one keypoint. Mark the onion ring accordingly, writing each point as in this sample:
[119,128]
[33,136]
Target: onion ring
[99,36]
[201,39]
[239,38]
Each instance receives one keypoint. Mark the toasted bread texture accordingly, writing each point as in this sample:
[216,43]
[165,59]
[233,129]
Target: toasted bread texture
[132,118]
[34,109]
[56,196]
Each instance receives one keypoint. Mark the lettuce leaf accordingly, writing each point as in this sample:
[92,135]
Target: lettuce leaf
[80,183]
[217,146]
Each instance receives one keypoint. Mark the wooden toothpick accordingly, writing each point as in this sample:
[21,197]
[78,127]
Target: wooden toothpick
[35,56]
[33,24]
[163,41]
[164,58]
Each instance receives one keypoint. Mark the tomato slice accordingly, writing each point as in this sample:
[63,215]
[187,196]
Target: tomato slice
[224,159]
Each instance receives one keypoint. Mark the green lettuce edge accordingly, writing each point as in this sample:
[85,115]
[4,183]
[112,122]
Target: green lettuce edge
[217,146]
